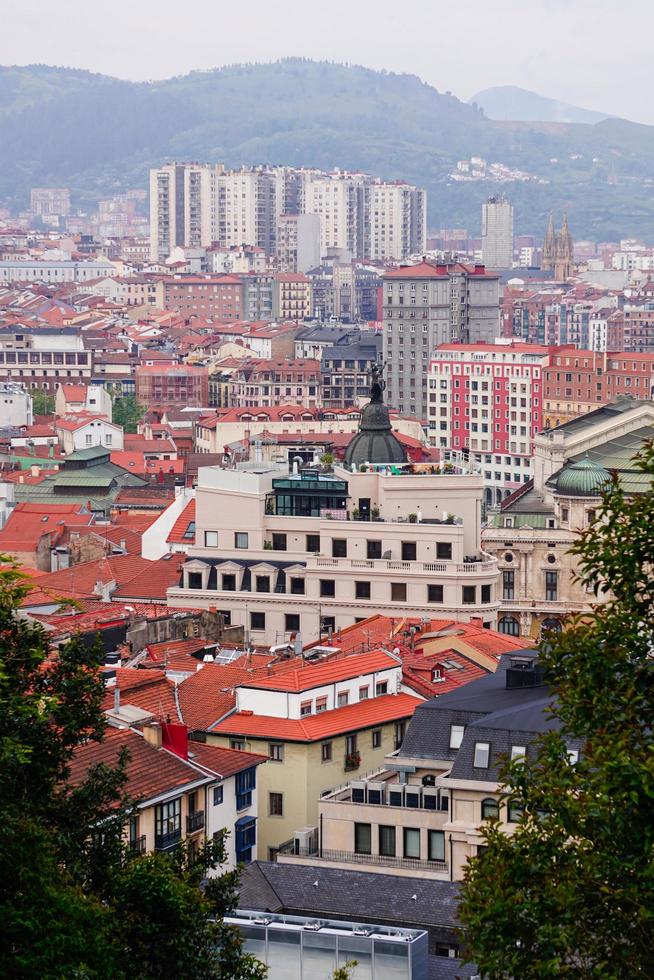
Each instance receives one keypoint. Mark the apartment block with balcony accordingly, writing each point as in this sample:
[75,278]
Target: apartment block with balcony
[316,722]
[186,791]
[291,296]
[280,552]
[423,812]
[45,358]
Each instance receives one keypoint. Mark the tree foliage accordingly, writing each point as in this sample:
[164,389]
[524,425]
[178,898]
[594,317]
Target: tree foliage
[73,901]
[127,412]
[571,893]
[42,402]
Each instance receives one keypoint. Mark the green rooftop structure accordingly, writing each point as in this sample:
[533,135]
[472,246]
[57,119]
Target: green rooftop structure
[86,476]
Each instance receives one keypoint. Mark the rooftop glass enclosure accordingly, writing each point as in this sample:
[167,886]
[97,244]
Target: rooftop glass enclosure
[299,948]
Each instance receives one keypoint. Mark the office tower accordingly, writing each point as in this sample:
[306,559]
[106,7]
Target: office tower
[426,305]
[497,233]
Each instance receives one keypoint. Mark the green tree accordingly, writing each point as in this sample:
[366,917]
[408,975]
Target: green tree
[127,412]
[42,403]
[571,892]
[73,901]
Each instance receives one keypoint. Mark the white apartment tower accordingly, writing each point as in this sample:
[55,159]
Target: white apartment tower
[182,207]
[497,233]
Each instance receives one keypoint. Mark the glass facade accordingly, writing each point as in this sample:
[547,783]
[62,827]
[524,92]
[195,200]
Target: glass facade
[294,947]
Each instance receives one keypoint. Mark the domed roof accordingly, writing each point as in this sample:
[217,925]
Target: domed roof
[375,442]
[582,479]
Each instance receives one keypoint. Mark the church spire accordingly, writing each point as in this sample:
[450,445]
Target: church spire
[549,246]
[563,267]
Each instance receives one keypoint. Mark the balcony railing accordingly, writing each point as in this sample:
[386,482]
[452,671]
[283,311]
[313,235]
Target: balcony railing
[289,849]
[137,845]
[416,567]
[166,842]
[195,821]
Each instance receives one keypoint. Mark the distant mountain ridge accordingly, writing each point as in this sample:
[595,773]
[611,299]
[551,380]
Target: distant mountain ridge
[99,135]
[509,102]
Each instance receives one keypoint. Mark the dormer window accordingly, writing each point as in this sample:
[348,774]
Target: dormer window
[456,735]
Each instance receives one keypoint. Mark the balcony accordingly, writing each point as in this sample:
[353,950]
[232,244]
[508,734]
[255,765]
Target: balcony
[137,845]
[485,567]
[195,822]
[169,841]
[289,849]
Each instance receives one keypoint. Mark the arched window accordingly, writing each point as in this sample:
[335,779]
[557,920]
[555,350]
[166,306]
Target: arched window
[551,624]
[490,809]
[515,810]
[509,625]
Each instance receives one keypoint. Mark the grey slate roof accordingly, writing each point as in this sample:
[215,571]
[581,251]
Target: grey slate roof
[359,896]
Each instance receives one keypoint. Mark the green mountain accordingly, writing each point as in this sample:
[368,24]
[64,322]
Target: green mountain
[99,135]
[512,102]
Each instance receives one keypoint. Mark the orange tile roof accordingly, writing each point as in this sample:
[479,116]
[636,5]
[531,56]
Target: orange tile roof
[153,580]
[325,724]
[80,580]
[151,772]
[180,526]
[28,523]
[304,677]
[209,694]
[223,762]
[149,690]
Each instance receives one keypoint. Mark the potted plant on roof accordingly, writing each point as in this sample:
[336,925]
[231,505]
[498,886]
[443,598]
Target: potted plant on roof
[413,518]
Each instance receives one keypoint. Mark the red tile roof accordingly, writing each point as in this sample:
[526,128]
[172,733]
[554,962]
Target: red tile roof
[187,516]
[80,580]
[149,690]
[209,694]
[152,581]
[151,772]
[28,523]
[74,393]
[325,724]
[304,677]
[221,761]
[72,423]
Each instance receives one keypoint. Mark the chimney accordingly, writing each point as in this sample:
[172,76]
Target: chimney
[152,734]
[175,738]
[123,545]
[35,470]
[116,699]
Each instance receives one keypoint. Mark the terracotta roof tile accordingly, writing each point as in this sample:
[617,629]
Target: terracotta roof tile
[181,525]
[306,676]
[223,762]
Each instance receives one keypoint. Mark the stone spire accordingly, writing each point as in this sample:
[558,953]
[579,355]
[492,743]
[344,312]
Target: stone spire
[549,246]
[563,267]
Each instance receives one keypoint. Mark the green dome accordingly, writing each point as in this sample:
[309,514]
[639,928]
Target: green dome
[582,479]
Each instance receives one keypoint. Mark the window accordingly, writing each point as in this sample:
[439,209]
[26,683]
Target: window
[313,542]
[400,728]
[350,744]
[168,824]
[339,548]
[411,842]
[327,624]
[326,751]
[376,738]
[306,708]
[362,838]
[217,795]
[564,514]
[327,588]
[515,810]
[409,551]
[229,583]
[434,593]
[297,586]
[398,591]
[257,621]
[245,838]
[490,809]
[469,595]
[195,580]
[551,586]
[518,751]
[456,735]
[485,593]
[362,590]
[435,845]
[342,698]
[381,687]
[509,625]
[210,538]
[508,584]
[241,539]
[263,583]
[386,841]
[482,754]
[237,743]
[276,751]
[321,704]
[373,550]
[246,782]
[275,804]
[444,550]
[364,693]
[279,541]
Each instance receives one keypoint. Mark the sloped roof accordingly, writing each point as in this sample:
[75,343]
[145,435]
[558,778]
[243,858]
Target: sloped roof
[307,676]
[181,525]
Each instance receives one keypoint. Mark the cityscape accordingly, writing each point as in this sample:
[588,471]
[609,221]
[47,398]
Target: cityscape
[325,532]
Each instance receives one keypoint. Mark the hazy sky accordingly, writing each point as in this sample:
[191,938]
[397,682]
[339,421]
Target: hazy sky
[594,53]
